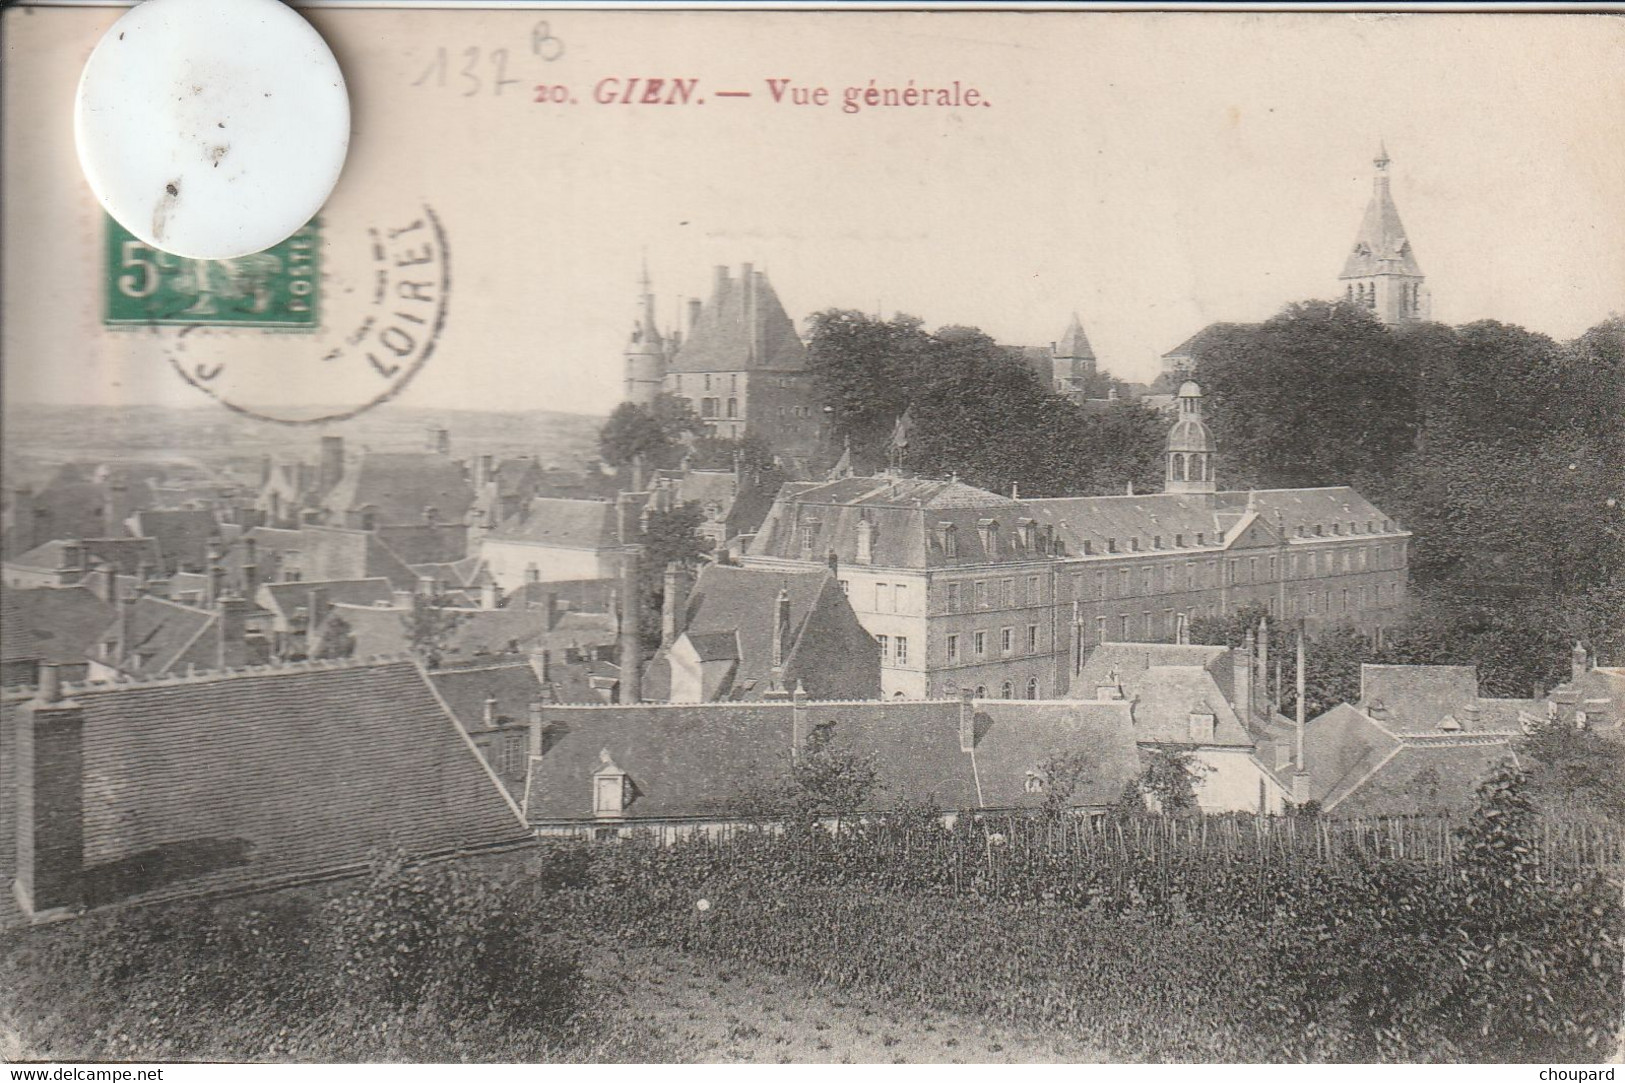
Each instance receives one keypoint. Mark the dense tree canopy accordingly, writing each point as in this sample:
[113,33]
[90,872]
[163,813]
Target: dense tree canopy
[977,411]
[1501,449]
[650,436]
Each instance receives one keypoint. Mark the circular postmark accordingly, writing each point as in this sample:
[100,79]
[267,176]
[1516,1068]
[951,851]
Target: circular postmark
[259,349]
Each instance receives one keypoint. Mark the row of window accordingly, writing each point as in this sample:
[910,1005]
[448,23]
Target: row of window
[1007,690]
[713,407]
[993,594]
[1311,603]
[732,381]
[893,650]
[1133,582]
[1027,538]
[1200,538]
[1010,643]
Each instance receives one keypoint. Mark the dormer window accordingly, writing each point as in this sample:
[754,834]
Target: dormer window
[1134,544]
[1201,538]
[950,541]
[1179,541]
[1320,530]
[611,788]
[809,536]
[1034,782]
[1156,542]
[989,529]
[1201,724]
[1029,534]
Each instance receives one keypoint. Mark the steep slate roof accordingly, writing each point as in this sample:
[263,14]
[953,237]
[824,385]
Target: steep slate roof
[743,326]
[1209,335]
[126,554]
[1308,508]
[377,629]
[1015,739]
[1417,698]
[424,543]
[51,624]
[1426,780]
[166,637]
[572,524]
[698,761]
[1164,683]
[182,534]
[465,689]
[400,485]
[338,553]
[1359,765]
[1074,343]
[1381,246]
[283,600]
[907,514]
[248,779]
[1097,519]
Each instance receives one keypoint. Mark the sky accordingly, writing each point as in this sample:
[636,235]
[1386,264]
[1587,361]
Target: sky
[1153,173]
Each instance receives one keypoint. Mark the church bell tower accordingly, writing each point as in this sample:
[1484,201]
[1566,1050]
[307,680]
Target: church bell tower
[645,353]
[1381,272]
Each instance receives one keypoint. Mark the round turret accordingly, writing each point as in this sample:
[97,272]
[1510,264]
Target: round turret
[1190,451]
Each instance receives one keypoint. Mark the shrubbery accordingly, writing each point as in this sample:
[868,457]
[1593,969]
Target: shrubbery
[414,963]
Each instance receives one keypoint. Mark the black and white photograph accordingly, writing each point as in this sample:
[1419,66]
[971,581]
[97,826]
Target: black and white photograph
[726,534]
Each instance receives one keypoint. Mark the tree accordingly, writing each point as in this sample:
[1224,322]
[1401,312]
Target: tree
[668,537]
[428,629]
[1169,778]
[337,640]
[648,437]
[750,453]
[1062,774]
[823,781]
[979,411]
[1573,770]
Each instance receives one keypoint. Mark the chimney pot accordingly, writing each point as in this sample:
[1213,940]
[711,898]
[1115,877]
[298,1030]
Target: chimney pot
[50,683]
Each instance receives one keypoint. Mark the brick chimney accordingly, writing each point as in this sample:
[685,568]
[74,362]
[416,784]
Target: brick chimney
[967,720]
[104,582]
[673,608]
[251,569]
[1261,676]
[232,622]
[490,595]
[631,683]
[316,609]
[781,627]
[50,812]
[798,718]
[1241,673]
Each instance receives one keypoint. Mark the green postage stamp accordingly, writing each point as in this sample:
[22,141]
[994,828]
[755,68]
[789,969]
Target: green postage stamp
[278,287]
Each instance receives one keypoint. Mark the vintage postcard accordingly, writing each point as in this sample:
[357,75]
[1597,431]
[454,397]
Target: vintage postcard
[830,536]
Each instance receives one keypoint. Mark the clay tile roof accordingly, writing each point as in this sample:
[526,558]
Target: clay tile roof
[247,780]
[1423,780]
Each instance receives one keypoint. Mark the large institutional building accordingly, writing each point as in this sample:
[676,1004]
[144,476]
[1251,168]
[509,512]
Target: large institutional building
[967,590]
[740,364]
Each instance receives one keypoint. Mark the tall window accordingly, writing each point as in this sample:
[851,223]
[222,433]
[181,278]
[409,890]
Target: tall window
[1009,593]
[1007,640]
[1007,691]
[900,598]
[733,407]
[950,542]
[1032,687]
[953,597]
[885,649]
[1035,590]
[953,649]
[1032,639]
[1100,629]
[902,650]
[979,642]
[981,594]
[882,597]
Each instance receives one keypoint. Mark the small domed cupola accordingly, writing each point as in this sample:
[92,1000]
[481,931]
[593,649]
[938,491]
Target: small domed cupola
[1190,454]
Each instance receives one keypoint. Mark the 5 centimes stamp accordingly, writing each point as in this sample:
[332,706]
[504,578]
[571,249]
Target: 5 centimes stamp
[279,287]
[386,307]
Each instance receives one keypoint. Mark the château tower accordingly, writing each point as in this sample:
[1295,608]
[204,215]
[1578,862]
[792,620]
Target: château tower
[1073,359]
[1190,446]
[645,353]
[1381,273]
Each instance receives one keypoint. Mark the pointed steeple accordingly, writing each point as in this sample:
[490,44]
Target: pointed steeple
[645,352]
[1074,343]
[1381,272]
